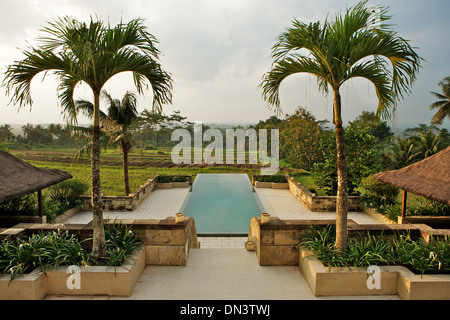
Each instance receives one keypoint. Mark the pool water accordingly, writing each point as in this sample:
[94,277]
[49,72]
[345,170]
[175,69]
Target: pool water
[222,204]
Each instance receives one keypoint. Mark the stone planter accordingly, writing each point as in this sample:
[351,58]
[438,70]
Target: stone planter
[93,280]
[180,184]
[165,185]
[279,185]
[391,280]
[259,184]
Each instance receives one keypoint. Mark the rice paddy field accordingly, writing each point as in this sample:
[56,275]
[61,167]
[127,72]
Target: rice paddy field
[141,166]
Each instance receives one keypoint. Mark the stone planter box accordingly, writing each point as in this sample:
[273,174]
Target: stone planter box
[279,185]
[259,184]
[273,185]
[319,203]
[32,286]
[66,215]
[122,203]
[170,185]
[94,280]
[393,280]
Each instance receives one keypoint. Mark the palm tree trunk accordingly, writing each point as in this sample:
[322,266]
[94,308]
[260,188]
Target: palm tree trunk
[99,242]
[342,192]
[125,169]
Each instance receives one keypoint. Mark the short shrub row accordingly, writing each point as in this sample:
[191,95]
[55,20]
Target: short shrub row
[277,178]
[51,249]
[372,250]
[171,178]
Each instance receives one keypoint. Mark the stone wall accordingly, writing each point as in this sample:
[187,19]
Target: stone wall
[122,203]
[166,242]
[276,242]
[319,203]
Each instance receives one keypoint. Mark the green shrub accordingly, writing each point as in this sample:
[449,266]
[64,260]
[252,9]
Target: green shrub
[277,178]
[402,250]
[67,192]
[171,178]
[121,242]
[43,249]
[430,208]
[378,194]
[52,249]
[25,205]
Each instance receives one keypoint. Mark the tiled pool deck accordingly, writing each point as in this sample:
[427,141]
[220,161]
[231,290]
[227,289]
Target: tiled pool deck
[163,203]
[221,272]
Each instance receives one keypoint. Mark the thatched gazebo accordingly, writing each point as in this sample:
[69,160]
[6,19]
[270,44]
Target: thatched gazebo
[429,178]
[19,178]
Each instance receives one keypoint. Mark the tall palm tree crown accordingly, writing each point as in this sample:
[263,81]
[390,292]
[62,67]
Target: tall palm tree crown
[350,45]
[443,103]
[91,53]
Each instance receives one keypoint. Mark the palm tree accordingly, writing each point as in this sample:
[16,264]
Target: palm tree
[404,152]
[443,103]
[116,123]
[91,53]
[341,49]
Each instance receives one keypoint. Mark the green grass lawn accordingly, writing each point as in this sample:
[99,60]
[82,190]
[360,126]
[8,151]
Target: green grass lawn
[112,176]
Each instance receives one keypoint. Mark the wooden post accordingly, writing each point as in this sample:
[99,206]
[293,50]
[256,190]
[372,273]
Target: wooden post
[41,211]
[404,203]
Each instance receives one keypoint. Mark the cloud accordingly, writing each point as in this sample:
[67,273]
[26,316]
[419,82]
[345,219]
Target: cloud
[217,51]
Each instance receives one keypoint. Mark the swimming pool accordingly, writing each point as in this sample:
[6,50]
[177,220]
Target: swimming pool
[222,204]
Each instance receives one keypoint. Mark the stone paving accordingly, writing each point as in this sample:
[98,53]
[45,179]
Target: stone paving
[283,204]
[163,203]
[160,204]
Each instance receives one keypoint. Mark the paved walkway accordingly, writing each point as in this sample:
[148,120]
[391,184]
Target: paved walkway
[163,203]
[222,269]
[221,274]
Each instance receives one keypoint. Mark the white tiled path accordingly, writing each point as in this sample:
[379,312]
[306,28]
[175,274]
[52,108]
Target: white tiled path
[160,204]
[283,204]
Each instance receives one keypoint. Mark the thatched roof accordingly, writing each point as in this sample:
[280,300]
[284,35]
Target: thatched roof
[19,178]
[429,178]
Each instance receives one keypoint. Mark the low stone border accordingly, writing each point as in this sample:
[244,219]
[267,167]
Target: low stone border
[170,185]
[319,203]
[378,216]
[165,242]
[273,185]
[122,203]
[93,280]
[392,280]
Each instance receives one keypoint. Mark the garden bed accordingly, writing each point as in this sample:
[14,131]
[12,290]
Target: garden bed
[405,264]
[122,203]
[325,281]
[93,280]
[173,181]
[319,203]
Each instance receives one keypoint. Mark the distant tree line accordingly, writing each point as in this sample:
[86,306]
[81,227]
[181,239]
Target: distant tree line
[307,143]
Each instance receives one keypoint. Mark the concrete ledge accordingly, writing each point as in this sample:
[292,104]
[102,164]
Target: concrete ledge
[98,280]
[32,286]
[170,185]
[319,203]
[325,281]
[378,216]
[121,203]
[94,280]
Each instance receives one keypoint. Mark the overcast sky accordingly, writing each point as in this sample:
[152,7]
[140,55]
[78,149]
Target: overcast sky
[218,50]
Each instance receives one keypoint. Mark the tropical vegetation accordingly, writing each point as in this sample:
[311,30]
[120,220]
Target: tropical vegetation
[341,49]
[93,53]
[48,250]
[401,249]
[443,103]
